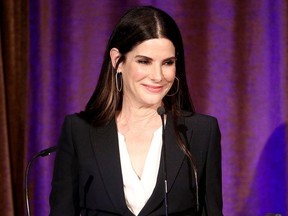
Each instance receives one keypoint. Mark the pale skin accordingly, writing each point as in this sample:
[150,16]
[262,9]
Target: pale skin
[148,73]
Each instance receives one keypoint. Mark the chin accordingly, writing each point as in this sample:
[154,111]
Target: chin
[152,102]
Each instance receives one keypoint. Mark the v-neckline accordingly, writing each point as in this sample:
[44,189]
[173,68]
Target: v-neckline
[122,137]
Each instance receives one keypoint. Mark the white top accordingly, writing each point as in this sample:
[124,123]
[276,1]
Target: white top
[138,191]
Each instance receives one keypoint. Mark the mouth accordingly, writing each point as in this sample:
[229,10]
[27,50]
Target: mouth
[153,88]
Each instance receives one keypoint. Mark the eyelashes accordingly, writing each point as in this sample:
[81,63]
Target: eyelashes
[149,62]
[170,62]
[145,62]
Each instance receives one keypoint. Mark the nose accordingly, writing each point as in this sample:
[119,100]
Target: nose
[156,74]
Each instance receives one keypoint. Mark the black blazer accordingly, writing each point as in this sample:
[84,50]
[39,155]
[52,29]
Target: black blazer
[87,172]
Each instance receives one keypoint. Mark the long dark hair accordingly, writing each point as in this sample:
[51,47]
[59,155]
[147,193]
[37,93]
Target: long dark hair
[137,25]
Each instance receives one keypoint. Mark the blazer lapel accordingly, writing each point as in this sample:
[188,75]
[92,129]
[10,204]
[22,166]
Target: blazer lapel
[105,146]
[174,160]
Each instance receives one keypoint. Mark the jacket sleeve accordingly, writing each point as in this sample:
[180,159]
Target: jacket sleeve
[213,172]
[64,194]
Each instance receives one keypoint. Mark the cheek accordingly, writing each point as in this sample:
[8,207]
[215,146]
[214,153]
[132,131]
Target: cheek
[169,75]
[132,74]
[136,73]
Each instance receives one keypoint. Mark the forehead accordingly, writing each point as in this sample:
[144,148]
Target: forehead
[155,47]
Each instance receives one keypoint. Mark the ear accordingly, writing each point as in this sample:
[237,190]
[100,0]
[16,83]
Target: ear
[114,56]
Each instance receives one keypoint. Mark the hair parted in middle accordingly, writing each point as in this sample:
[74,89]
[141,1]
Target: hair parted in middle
[136,26]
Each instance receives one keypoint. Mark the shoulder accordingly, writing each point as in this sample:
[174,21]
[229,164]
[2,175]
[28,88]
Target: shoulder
[197,119]
[205,132]
[75,119]
[79,122]
[75,123]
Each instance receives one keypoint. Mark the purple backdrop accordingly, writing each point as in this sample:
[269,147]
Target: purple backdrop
[236,55]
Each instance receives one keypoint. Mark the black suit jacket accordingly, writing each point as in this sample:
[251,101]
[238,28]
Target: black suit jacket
[87,172]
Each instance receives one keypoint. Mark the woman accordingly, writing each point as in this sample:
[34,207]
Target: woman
[111,160]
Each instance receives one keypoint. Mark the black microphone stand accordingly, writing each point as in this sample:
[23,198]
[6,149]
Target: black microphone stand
[42,153]
[161,111]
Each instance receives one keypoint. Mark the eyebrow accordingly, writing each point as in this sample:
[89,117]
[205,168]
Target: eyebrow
[146,57]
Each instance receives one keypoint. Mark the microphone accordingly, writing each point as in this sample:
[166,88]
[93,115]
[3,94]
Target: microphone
[161,111]
[47,151]
[42,153]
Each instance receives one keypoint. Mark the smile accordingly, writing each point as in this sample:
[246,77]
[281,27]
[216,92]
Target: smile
[153,89]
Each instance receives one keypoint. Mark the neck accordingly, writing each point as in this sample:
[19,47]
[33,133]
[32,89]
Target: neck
[133,113]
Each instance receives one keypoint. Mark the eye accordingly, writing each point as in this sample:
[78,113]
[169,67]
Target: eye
[169,62]
[143,61]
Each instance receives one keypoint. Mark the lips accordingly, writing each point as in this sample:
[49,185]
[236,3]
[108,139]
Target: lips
[153,88]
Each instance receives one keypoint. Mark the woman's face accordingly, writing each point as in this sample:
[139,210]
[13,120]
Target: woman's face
[148,72]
